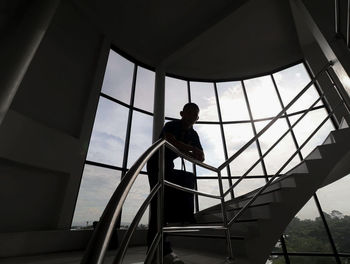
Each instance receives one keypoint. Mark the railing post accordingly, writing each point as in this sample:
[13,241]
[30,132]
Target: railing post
[160,204]
[225,221]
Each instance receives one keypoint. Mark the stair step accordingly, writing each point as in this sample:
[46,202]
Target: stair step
[205,236]
[301,168]
[192,228]
[217,244]
[337,136]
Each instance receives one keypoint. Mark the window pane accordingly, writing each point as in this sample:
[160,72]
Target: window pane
[237,135]
[118,77]
[137,195]
[262,97]
[248,185]
[108,135]
[203,95]
[276,158]
[212,187]
[176,96]
[144,93]
[97,187]
[307,125]
[232,102]
[290,82]
[140,136]
[334,199]
[211,140]
[306,232]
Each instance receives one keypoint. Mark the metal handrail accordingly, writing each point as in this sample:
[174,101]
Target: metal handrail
[99,242]
[277,141]
[181,188]
[235,155]
[252,200]
[125,242]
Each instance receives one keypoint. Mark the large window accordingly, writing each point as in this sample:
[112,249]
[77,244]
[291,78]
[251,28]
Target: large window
[231,113]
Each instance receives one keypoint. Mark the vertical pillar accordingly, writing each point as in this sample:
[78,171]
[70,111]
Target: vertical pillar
[19,47]
[159,99]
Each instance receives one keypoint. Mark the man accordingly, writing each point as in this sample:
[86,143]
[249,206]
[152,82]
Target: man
[181,134]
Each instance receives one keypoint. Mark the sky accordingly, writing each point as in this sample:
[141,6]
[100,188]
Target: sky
[109,133]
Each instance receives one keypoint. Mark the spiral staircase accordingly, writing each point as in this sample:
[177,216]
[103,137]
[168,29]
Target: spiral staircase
[256,232]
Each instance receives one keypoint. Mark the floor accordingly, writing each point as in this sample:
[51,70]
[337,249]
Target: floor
[135,255]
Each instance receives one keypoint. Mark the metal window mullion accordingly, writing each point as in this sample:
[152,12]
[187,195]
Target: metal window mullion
[336,16]
[127,137]
[347,23]
[284,250]
[335,251]
[318,89]
[284,247]
[196,199]
[254,130]
[287,118]
[223,137]
[189,92]
[128,128]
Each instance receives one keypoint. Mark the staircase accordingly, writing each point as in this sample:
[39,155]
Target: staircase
[255,233]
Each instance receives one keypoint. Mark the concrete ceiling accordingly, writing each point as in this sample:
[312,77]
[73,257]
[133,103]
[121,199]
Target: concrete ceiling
[200,39]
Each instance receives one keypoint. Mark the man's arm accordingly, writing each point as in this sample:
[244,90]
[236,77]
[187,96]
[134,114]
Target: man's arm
[192,151]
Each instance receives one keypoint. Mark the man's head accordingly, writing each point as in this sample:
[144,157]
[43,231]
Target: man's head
[189,114]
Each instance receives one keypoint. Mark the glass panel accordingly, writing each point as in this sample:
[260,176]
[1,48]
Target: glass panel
[137,195]
[238,135]
[203,95]
[311,260]
[176,96]
[117,81]
[232,102]
[212,187]
[282,151]
[108,135]
[144,93]
[334,199]
[211,140]
[262,97]
[248,185]
[140,136]
[307,125]
[97,187]
[290,82]
[306,232]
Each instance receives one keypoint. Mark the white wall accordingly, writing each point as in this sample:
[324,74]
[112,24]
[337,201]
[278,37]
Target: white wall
[45,135]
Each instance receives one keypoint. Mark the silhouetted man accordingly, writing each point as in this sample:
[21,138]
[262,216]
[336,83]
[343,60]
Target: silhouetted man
[181,134]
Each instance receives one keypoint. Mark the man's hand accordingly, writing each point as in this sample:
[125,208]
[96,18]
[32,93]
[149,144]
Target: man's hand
[192,151]
[198,154]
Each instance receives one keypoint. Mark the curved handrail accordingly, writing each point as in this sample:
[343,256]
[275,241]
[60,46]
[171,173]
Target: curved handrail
[98,244]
